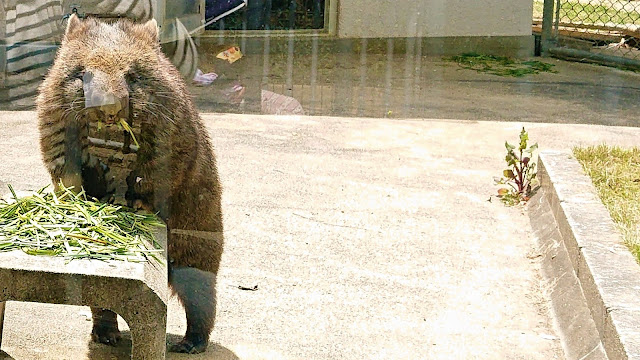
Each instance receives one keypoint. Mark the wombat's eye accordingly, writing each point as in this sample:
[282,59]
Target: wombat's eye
[77,73]
[134,77]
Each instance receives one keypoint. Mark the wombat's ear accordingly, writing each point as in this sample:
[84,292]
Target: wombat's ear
[151,27]
[72,24]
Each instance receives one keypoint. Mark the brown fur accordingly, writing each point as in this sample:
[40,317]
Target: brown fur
[174,172]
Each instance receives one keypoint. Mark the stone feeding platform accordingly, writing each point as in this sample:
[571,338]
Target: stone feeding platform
[136,291]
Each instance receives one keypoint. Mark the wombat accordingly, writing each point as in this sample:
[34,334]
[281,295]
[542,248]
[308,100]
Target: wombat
[105,72]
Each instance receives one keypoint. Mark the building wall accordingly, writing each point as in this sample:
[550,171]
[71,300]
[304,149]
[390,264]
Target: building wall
[433,18]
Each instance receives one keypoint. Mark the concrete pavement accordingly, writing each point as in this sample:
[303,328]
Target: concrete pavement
[367,238]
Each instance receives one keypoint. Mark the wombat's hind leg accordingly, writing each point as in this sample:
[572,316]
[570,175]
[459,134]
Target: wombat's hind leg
[105,326]
[196,290]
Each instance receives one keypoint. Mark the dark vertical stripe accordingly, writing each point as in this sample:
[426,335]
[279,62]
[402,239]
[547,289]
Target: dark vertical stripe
[31,67]
[26,55]
[24,42]
[34,26]
[113,8]
[32,12]
[132,6]
[24,83]
[293,5]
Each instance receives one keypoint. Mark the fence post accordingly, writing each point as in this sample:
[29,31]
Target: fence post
[318,19]
[547,40]
[3,76]
[293,5]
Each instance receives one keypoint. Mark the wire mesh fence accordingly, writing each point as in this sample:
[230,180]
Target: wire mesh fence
[607,27]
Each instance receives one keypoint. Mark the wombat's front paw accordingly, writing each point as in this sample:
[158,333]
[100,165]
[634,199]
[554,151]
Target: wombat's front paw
[138,191]
[139,204]
[189,347]
[106,334]
[138,183]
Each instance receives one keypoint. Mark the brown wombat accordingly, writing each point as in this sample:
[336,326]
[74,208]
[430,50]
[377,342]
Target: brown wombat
[108,72]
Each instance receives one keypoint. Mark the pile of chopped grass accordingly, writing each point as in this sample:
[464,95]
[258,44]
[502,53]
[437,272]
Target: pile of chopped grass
[500,65]
[67,224]
[615,173]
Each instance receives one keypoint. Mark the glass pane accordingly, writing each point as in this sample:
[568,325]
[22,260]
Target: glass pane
[359,147]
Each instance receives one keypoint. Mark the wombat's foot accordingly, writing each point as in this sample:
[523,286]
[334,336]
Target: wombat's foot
[105,327]
[106,334]
[196,290]
[189,346]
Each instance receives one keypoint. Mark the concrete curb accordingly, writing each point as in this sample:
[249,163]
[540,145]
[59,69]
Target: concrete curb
[607,273]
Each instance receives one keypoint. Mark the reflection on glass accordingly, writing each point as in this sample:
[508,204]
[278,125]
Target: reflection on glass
[386,59]
[320,57]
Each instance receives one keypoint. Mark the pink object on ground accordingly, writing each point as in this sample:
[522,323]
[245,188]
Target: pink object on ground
[203,79]
[278,104]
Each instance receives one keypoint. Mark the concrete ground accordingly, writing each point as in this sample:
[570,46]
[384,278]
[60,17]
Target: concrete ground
[367,239]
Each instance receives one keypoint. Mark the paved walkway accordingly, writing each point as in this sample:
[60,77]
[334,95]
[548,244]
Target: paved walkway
[367,239]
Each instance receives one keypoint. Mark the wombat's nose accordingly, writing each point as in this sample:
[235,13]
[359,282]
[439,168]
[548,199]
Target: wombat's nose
[111,109]
[114,108]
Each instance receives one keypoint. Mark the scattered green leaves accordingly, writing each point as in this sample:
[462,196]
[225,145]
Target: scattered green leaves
[520,172]
[501,65]
[67,224]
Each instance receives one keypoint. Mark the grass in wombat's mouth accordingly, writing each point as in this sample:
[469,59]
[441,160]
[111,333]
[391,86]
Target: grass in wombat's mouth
[125,125]
[70,225]
[127,128]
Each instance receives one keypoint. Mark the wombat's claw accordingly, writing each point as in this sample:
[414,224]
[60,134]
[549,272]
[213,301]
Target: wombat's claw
[137,204]
[106,335]
[141,205]
[109,199]
[187,347]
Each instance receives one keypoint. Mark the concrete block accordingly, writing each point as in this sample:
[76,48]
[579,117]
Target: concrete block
[608,275]
[573,318]
[136,291]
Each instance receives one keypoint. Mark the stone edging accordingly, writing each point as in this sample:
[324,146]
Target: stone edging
[607,272]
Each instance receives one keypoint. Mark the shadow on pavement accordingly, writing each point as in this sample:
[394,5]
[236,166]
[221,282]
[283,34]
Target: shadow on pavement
[123,350]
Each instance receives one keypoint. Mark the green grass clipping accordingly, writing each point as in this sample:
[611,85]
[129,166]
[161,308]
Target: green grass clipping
[501,65]
[70,225]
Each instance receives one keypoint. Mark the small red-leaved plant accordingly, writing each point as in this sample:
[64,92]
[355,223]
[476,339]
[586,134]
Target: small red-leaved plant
[520,172]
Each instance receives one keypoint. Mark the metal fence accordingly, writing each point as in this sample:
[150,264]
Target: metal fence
[600,30]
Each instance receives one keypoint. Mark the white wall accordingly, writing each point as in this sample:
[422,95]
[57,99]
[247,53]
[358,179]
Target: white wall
[433,18]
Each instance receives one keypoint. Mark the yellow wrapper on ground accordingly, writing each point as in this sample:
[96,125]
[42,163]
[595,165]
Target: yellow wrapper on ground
[232,54]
